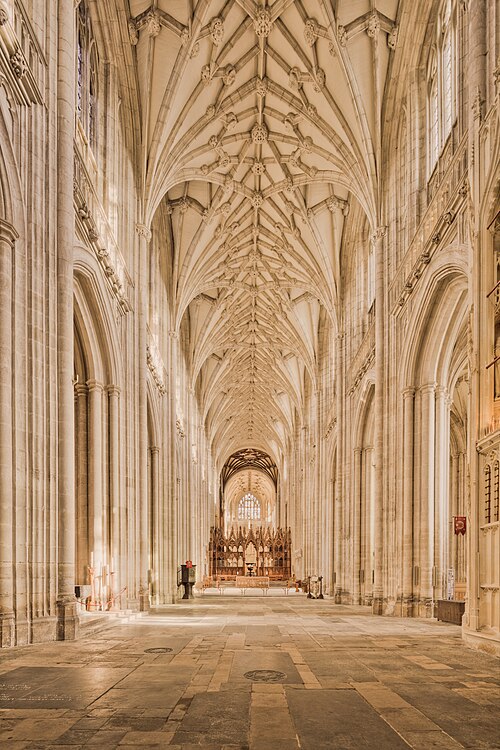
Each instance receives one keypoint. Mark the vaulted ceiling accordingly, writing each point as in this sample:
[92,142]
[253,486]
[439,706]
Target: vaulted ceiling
[261,127]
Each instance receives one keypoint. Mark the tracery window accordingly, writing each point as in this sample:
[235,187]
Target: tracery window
[370,276]
[249,508]
[441,87]
[433,118]
[402,186]
[496,491]
[487,493]
[87,71]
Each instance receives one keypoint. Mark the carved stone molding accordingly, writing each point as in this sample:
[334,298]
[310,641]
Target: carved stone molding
[263,24]
[4,13]
[155,366]
[311,31]
[373,25]
[259,133]
[18,63]
[8,232]
[216,30]
[152,23]
[133,33]
[143,231]
[392,37]
[378,234]
[98,236]
[179,426]
[477,105]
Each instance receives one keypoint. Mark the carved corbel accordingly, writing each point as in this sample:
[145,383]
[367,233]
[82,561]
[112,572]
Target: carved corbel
[133,32]
[4,13]
[18,63]
[373,25]
[143,231]
[311,31]
[153,24]
[392,37]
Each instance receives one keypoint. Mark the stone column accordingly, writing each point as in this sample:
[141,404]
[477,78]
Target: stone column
[427,499]
[82,536]
[462,492]
[66,603]
[407,468]
[441,505]
[114,485]
[155,502]
[380,323]
[479,352]
[453,511]
[142,436]
[338,531]
[8,235]
[317,498]
[356,527]
[95,475]
[171,486]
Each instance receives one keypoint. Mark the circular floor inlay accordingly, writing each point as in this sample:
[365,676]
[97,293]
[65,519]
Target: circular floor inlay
[158,650]
[265,675]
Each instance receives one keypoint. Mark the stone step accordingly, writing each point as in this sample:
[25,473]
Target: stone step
[95,622]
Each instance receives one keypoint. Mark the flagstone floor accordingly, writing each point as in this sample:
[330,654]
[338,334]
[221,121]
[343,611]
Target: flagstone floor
[254,673]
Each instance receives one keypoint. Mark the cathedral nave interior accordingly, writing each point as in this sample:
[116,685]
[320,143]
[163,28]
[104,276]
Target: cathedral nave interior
[249,294]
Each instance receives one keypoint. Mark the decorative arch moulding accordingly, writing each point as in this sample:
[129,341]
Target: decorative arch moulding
[430,238]
[90,229]
[25,81]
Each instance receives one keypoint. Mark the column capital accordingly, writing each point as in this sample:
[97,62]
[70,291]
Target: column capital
[378,234]
[428,388]
[81,390]
[408,392]
[154,449]
[113,390]
[442,390]
[8,232]
[143,231]
[94,385]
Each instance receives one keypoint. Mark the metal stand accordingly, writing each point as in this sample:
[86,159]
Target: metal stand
[320,596]
[309,595]
[188,591]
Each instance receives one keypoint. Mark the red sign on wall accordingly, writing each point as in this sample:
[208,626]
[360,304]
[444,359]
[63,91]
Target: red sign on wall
[189,563]
[460,524]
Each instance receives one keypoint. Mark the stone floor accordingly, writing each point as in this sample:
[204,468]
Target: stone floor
[258,673]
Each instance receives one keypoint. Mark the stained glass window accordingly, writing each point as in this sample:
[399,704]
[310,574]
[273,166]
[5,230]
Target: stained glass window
[249,508]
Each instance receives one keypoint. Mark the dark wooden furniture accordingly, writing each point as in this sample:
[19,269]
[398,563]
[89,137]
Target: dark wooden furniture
[449,610]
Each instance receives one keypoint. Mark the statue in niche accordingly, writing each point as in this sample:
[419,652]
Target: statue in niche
[251,553]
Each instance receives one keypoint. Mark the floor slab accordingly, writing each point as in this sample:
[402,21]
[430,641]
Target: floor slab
[243,674]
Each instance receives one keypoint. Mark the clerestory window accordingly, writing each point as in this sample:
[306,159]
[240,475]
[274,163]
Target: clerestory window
[441,86]
[87,71]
